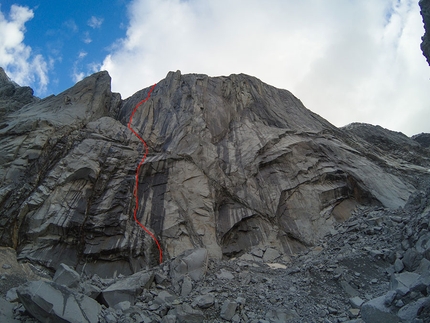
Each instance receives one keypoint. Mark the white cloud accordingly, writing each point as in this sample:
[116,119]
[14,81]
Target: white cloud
[16,57]
[95,22]
[71,25]
[87,39]
[82,55]
[346,60]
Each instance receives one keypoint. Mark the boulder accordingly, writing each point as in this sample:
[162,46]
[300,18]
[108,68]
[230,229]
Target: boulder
[412,259]
[404,281]
[280,315]
[50,302]
[127,289]
[186,314]
[271,254]
[356,302]
[205,301]
[6,312]
[228,309]
[411,311]
[375,311]
[192,263]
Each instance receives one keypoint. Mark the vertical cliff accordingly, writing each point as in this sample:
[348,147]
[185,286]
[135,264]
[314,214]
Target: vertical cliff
[233,164]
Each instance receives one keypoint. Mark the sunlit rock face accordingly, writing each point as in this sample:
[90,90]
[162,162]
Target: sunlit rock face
[233,164]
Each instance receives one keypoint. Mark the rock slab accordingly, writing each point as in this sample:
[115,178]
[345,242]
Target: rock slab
[50,302]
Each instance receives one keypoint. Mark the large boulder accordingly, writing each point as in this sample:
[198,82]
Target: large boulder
[50,302]
[127,289]
[376,311]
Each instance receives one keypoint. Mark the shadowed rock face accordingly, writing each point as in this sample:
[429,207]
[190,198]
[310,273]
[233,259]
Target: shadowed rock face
[233,164]
[425,13]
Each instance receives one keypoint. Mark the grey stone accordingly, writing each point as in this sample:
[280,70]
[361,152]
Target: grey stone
[90,290]
[389,297]
[164,298]
[169,319]
[127,289]
[6,312]
[412,259]
[192,263]
[122,306]
[405,280]
[375,311]
[228,309]
[271,254]
[224,274]
[279,315]
[241,300]
[398,265]
[257,252]
[205,301]
[351,291]
[423,243]
[186,314]
[66,276]
[424,266]
[356,302]
[353,312]
[410,311]
[11,295]
[50,302]
[187,286]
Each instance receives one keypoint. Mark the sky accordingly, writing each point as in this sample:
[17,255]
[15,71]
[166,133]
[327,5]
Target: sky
[347,60]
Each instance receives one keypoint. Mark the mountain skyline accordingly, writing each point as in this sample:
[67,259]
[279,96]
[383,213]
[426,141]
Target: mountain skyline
[348,62]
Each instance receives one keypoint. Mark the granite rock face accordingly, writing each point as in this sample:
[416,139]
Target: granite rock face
[234,164]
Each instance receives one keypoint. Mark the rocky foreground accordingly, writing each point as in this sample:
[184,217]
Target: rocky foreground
[373,268]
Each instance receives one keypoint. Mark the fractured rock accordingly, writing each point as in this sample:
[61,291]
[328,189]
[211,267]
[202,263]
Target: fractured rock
[405,280]
[66,276]
[228,309]
[50,302]
[6,312]
[411,259]
[11,295]
[205,301]
[270,255]
[224,274]
[375,311]
[356,302]
[281,315]
[222,174]
[186,314]
[398,265]
[127,289]
[410,311]
[192,263]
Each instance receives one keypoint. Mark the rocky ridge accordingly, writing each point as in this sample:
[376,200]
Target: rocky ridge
[239,173]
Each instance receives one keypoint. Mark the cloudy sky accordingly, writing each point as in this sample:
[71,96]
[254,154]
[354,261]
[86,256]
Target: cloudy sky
[347,60]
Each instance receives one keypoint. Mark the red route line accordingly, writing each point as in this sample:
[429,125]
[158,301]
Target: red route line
[137,173]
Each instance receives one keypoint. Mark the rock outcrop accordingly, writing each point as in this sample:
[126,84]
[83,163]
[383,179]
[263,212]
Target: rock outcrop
[234,165]
[265,211]
[425,13]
